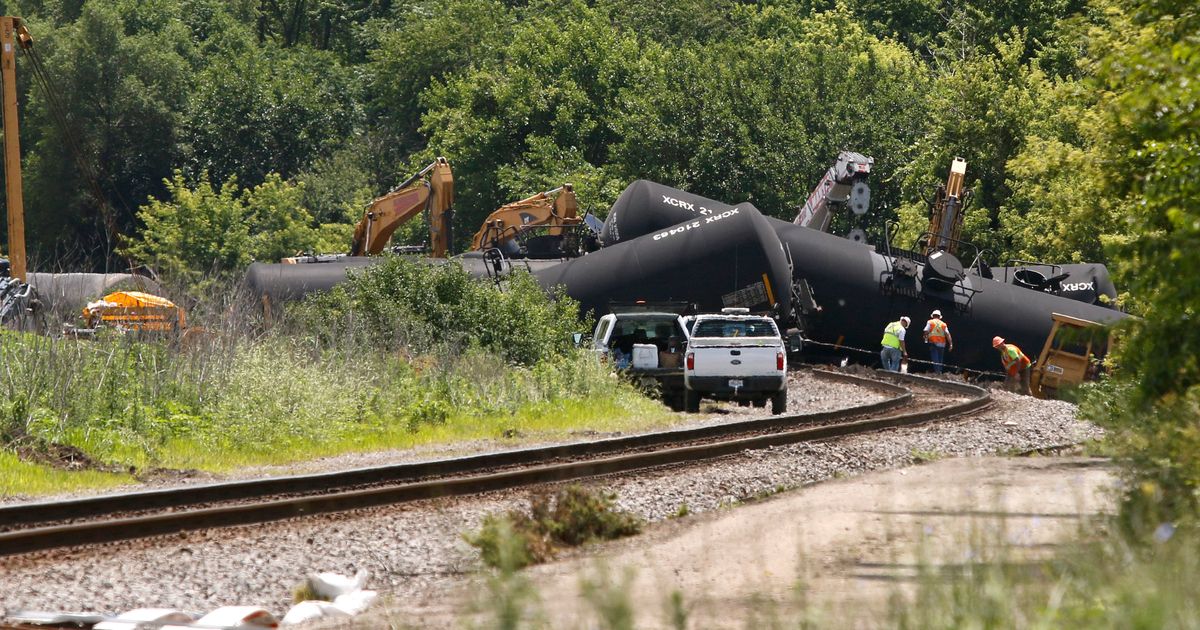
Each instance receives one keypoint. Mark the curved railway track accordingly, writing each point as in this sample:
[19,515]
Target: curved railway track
[112,518]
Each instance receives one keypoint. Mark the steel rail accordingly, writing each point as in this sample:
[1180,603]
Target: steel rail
[472,481]
[400,473]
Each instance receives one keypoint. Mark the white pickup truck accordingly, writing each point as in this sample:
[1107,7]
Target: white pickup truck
[646,346]
[735,356]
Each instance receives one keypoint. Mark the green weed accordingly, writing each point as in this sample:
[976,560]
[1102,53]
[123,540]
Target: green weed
[570,517]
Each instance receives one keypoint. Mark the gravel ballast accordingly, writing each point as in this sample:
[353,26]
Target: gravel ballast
[416,550]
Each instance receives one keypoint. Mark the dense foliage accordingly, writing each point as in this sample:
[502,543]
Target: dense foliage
[1155,176]
[422,308]
[247,130]
[738,101]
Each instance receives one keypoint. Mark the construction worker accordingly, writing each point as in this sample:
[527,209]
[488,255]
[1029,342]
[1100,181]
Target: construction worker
[893,344]
[1016,365]
[937,335]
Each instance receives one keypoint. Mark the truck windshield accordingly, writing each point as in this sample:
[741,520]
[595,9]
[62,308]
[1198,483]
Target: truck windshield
[734,328]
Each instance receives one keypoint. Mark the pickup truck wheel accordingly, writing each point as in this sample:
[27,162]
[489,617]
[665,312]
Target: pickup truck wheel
[779,402]
[675,400]
[691,401]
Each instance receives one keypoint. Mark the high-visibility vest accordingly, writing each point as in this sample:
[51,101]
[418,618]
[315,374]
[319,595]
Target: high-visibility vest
[937,331]
[891,335]
[1013,359]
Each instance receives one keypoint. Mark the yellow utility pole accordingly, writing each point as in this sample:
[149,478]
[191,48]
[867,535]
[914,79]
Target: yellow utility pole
[12,34]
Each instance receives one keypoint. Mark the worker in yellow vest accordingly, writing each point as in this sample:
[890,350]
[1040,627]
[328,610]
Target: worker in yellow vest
[893,344]
[937,335]
[1016,365]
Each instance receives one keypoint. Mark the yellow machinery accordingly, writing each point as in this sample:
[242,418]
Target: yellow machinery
[949,204]
[1070,356]
[433,196]
[429,191]
[136,312]
[13,37]
[553,209]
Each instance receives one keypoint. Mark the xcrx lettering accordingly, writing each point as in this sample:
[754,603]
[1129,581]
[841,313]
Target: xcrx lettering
[679,203]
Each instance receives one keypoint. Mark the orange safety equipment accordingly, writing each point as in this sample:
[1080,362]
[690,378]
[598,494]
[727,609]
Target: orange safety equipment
[997,342]
[937,331]
[1013,359]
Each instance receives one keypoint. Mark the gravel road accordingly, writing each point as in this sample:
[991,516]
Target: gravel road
[416,551]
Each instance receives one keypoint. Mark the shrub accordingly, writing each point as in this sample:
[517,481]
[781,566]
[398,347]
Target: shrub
[422,308]
[571,517]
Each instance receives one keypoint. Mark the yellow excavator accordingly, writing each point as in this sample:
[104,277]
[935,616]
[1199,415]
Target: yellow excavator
[429,191]
[552,214]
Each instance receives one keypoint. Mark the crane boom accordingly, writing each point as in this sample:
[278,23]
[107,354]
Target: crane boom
[843,184]
[946,216]
[13,34]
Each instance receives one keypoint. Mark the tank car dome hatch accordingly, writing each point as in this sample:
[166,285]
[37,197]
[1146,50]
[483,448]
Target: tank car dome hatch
[943,267]
[729,258]
[1028,278]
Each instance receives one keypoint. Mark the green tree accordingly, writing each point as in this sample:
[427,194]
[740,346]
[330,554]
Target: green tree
[762,116]
[203,235]
[430,41]
[121,88]
[541,116]
[979,108]
[1154,170]
[269,110]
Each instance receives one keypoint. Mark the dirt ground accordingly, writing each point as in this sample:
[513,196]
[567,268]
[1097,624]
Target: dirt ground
[838,549]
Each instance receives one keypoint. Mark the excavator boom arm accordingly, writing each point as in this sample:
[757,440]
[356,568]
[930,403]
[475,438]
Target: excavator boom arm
[402,204]
[510,220]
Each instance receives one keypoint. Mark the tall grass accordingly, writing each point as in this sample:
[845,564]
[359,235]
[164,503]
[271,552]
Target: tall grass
[1105,582]
[276,399]
[403,354]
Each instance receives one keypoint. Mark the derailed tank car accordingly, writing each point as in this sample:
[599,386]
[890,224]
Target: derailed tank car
[278,283]
[859,289]
[1083,282]
[727,258]
[645,206]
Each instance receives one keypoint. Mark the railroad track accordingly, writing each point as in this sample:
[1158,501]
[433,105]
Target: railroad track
[112,518]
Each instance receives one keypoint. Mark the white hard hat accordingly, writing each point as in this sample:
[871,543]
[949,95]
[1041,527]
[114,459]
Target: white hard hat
[904,320]
[936,313]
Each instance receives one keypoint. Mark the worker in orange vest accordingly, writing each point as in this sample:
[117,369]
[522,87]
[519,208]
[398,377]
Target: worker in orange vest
[937,335]
[1016,365]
